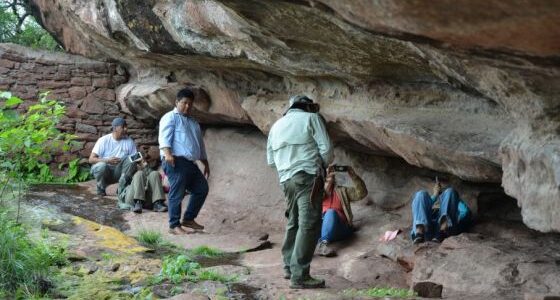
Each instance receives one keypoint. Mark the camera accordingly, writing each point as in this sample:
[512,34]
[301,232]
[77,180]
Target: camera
[136,157]
[340,168]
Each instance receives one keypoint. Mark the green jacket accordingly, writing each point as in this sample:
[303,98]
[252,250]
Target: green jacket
[298,142]
[349,194]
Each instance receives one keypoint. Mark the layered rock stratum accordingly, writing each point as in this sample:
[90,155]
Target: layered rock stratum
[467,88]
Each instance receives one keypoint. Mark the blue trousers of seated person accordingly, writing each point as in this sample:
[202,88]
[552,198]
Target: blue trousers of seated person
[333,228]
[423,214]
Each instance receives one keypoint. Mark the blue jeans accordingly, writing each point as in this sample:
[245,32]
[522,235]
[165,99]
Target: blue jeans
[423,214]
[184,176]
[333,229]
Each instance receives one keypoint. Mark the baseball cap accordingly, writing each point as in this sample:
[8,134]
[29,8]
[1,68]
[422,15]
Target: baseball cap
[298,99]
[118,122]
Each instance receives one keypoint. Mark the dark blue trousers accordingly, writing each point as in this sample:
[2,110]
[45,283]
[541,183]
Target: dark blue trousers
[333,229]
[184,176]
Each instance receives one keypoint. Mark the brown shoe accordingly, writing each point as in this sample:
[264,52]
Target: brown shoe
[177,230]
[192,224]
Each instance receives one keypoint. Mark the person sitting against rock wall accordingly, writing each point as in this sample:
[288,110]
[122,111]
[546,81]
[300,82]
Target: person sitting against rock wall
[144,190]
[109,157]
[337,212]
[438,216]
[111,164]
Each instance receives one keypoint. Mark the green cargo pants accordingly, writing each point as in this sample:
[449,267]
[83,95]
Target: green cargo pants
[106,174]
[304,225]
[145,186]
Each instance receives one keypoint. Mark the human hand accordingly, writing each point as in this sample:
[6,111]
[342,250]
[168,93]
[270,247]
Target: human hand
[437,189]
[206,170]
[142,164]
[169,159]
[113,160]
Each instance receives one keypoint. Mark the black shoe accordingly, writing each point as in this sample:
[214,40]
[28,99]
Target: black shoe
[159,207]
[308,283]
[137,207]
[418,239]
[101,192]
[440,237]
[287,273]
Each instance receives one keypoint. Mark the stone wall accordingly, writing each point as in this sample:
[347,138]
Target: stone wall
[87,87]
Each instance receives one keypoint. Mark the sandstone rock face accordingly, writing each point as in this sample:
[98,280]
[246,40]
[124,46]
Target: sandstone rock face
[393,79]
[468,265]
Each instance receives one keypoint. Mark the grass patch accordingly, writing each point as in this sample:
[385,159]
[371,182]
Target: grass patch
[380,292]
[153,239]
[205,251]
[150,238]
[211,275]
[25,264]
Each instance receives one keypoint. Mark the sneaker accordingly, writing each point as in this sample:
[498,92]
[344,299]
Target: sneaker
[308,283]
[325,250]
[287,273]
[159,207]
[192,224]
[418,239]
[137,207]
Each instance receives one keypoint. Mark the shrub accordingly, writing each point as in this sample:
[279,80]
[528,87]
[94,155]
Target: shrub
[181,267]
[178,268]
[29,141]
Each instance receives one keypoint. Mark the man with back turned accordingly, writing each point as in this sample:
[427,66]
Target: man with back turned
[300,149]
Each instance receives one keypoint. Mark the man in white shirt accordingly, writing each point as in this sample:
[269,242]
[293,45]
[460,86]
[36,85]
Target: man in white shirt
[109,157]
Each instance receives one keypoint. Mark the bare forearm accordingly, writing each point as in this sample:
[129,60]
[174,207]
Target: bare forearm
[95,159]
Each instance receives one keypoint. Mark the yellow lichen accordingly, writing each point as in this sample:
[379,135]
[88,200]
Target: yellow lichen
[110,237]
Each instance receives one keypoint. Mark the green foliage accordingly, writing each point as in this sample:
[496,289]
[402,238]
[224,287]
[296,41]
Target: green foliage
[205,251]
[379,292]
[25,264]
[29,141]
[144,294]
[29,34]
[178,268]
[213,276]
[76,172]
[150,238]
[181,267]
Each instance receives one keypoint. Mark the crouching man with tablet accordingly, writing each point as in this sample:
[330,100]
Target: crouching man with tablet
[114,158]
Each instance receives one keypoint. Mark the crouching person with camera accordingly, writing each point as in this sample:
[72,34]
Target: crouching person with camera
[337,212]
[114,158]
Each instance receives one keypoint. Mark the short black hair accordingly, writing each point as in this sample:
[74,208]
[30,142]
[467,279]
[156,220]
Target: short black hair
[185,93]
